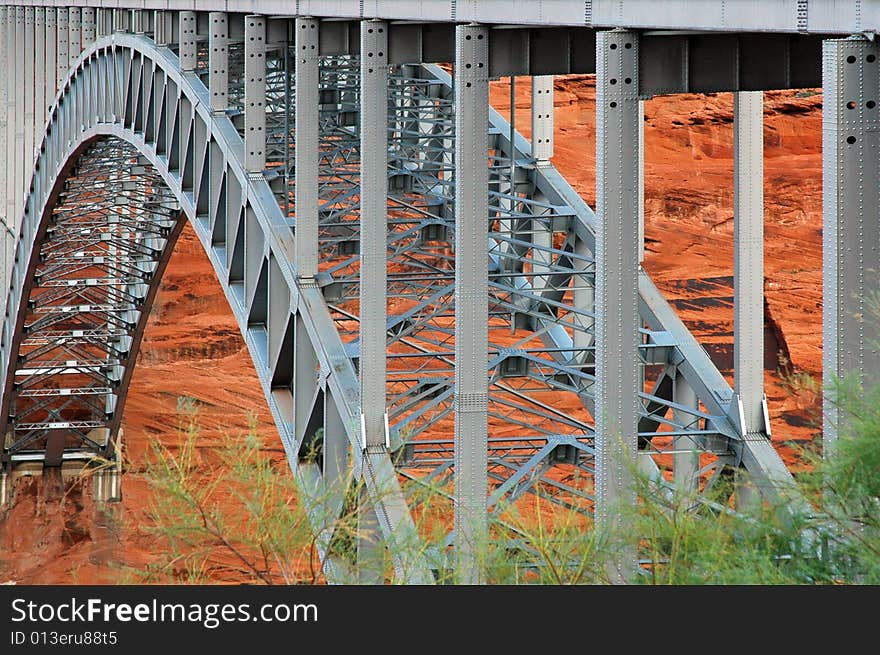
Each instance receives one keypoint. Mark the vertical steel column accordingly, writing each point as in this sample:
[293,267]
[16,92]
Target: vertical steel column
[74,35]
[49,62]
[748,236]
[138,19]
[163,27]
[188,44]
[306,146]
[218,61]
[121,20]
[618,371]
[686,457]
[254,94]
[471,297]
[373,274]
[851,228]
[27,56]
[89,27]
[542,118]
[40,90]
[101,28]
[4,279]
[74,47]
[374,227]
[9,151]
[20,123]
[62,45]
[5,485]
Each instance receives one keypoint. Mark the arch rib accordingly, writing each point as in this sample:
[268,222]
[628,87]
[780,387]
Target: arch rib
[165,115]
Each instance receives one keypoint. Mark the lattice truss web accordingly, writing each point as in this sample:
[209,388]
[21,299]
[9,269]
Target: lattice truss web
[102,245]
[540,309]
[109,233]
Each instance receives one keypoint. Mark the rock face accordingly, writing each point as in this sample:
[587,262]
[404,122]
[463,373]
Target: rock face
[193,347]
[689,224]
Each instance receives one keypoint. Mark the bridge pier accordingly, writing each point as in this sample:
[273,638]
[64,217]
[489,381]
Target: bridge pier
[618,369]
[851,229]
[471,298]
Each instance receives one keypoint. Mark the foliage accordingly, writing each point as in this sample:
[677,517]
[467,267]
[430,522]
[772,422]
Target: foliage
[231,519]
[238,519]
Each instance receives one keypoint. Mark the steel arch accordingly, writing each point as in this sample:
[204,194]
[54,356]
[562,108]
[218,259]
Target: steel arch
[126,88]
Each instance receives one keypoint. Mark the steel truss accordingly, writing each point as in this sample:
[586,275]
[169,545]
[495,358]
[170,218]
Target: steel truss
[133,142]
[109,235]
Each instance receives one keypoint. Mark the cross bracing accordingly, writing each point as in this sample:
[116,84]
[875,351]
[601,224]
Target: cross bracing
[303,151]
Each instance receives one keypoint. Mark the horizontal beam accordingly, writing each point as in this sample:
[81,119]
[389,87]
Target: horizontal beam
[792,16]
[673,63]
[709,63]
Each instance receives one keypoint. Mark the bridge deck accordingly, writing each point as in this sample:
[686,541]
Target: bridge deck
[805,16]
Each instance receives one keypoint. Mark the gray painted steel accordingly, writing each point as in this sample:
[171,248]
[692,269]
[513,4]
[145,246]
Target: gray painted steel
[307,153]
[686,464]
[7,240]
[218,47]
[189,46]
[188,107]
[48,64]
[374,230]
[39,71]
[477,252]
[471,297]
[254,93]
[851,229]
[748,237]
[618,374]
[542,118]
[792,16]
[373,271]
[28,85]
[19,160]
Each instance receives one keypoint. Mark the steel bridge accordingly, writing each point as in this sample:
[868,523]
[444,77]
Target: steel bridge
[420,290]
